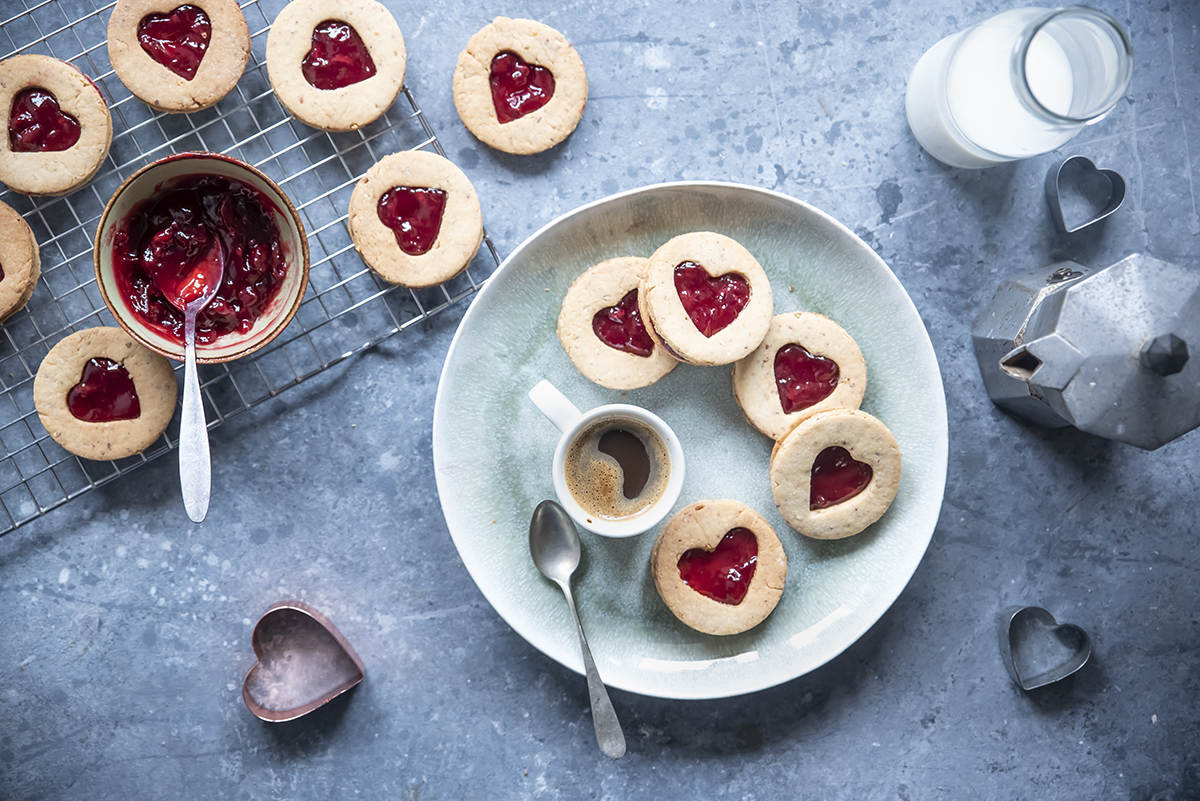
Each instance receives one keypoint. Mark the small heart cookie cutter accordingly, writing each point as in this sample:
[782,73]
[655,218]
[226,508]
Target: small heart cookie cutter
[1082,169]
[1038,650]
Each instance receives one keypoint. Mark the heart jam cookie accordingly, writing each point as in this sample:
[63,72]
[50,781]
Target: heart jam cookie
[519,86]
[101,395]
[59,126]
[178,56]
[20,262]
[601,328]
[719,567]
[336,65]
[706,298]
[806,364]
[415,219]
[835,473]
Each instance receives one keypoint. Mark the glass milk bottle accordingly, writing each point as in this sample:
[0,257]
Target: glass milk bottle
[1016,85]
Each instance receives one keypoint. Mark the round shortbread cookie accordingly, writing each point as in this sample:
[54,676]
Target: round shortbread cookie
[763,379]
[62,368]
[348,107]
[537,45]
[225,52]
[703,526]
[597,297]
[20,262]
[460,230]
[54,172]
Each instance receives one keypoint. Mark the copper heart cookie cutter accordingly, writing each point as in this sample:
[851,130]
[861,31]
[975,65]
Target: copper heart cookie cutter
[1101,191]
[303,663]
[1038,650]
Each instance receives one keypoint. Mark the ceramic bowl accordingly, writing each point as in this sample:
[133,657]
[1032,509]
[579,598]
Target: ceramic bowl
[155,178]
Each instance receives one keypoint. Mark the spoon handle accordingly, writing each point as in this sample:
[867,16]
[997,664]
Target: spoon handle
[604,717]
[195,467]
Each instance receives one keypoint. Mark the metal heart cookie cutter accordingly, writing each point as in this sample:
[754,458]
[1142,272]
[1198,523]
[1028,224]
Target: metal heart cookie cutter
[1090,193]
[1038,650]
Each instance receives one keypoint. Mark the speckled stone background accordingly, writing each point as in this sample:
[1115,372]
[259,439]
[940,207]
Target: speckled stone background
[125,631]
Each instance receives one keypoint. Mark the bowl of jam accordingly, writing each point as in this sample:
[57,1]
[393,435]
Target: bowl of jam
[158,232]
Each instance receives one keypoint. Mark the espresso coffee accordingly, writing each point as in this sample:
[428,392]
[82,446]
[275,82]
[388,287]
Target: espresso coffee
[617,468]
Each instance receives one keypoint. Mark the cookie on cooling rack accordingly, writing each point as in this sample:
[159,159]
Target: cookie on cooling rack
[20,263]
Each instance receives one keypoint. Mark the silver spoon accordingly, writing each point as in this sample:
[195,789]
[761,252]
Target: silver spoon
[554,544]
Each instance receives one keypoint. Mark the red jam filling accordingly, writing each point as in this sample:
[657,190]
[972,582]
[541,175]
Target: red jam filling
[1,272]
[712,303]
[414,214]
[337,57]
[163,242]
[836,476]
[176,39]
[37,125]
[723,573]
[518,87]
[104,393]
[802,378]
[620,327]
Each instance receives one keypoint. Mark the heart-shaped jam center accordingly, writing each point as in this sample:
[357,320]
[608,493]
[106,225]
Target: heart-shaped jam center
[802,378]
[837,476]
[724,573]
[177,39]
[712,303]
[414,214]
[37,125]
[104,393]
[338,56]
[518,87]
[621,328]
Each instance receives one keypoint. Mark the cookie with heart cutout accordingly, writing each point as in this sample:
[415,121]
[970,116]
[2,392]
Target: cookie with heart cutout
[719,567]
[601,328]
[178,55]
[835,473]
[20,262]
[102,396]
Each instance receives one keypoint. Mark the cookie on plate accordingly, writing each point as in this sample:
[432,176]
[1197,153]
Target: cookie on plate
[59,126]
[20,263]
[101,395]
[719,567]
[601,328]
[519,86]
[336,65]
[178,57]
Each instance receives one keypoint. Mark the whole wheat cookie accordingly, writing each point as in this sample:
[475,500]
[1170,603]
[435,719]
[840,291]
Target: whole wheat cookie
[415,219]
[336,65]
[519,86]
[835,473]
[20,262]
[719,567]
[601,328]
[178,56]
[806,364]
[102,396]
[59,126]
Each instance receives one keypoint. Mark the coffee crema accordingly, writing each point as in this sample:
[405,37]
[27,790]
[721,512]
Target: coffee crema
[617,468]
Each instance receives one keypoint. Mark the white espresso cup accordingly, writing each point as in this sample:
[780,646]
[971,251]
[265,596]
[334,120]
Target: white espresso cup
[598,462]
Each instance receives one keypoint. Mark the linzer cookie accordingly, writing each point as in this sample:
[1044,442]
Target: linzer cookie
[20,264]
[601,329]
[336,65]
[101,395]
[415,219]
[59,126]
[178,56]
[519,86]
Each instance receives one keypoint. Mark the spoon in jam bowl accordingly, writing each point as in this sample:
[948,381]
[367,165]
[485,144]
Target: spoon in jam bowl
[554,545]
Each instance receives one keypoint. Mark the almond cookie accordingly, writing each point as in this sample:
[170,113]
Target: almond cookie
[806,364]
[59,126]
[336,65]
[601,328]
[520,87]
[415,219]
[20,263]
[178,56]
[102,396]
[706,299]
[835,473]
[719,567]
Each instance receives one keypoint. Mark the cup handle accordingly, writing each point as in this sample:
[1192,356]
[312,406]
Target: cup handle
[554,405]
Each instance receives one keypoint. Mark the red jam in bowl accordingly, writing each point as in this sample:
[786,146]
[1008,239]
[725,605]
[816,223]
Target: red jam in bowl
[105,393]
[177,39]
[518,87]
[161,245]
[337,58]
[414,214]
[621,327]
[724,573]
[36,124]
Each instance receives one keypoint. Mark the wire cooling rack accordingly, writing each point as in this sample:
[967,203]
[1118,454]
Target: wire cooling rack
[346,309]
